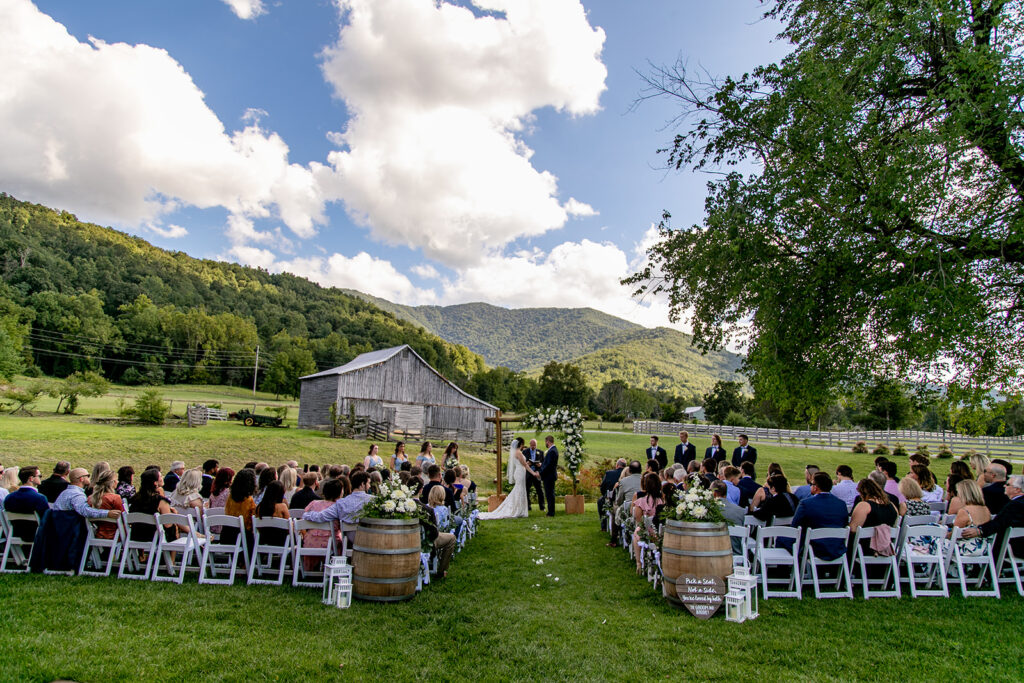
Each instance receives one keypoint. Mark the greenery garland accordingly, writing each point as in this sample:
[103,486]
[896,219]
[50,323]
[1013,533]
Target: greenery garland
[568,422]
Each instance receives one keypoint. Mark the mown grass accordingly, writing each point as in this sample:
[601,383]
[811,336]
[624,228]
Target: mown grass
[498,616]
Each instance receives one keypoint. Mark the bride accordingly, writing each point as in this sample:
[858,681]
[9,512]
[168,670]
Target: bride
[516,503]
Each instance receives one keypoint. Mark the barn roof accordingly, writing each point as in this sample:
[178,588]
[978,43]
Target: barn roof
[371,358]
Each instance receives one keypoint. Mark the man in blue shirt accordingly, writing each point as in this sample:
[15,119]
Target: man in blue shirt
[346,510]
[73,497]
[822,510]
[25,500]
[804,491]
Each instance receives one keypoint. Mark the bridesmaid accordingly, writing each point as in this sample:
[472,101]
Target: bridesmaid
[399,457]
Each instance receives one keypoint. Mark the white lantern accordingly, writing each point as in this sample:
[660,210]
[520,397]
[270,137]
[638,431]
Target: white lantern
[735,606]
[742,581]
[337,582]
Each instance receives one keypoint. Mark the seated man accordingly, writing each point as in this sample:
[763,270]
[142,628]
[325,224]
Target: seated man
[822,510]
[55,484]
[1012,515]
[73,498]
[733,513]
[346,510]
[611,478]
[994,487]
[802,492]
[628,486]
[26,500]
[845,488]
[730,477]
[747,485]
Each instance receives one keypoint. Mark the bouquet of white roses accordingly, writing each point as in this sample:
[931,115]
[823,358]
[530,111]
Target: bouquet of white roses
[696,504]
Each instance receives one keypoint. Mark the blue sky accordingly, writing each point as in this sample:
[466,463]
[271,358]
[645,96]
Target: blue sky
[422,151]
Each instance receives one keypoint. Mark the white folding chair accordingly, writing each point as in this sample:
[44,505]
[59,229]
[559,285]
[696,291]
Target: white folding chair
[1009,567]
[927,567]
[768,555]
[984,561]
[899,534]
[214,548]
[345,550]
[3,527]
[296,513]
[300,575]
[177,554]
[264,555]
[213,511]
[132,565]
[948,520]
[197,519]
[812,563]
[15,549]
[782,521]
[92,563]
[918,520]
[740,535]
[939,506]
[875,587]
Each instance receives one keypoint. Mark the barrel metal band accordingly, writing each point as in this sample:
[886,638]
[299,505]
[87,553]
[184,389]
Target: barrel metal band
[375,530]
[381,551]
[698,553]
[371,579]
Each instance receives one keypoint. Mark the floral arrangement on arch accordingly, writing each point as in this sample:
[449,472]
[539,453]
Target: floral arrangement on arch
[695,504]
[392,502]
[569,423]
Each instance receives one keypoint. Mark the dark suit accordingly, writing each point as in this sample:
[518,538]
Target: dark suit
[1012,515]
[716,453]
[206,486]
[611,478]
[548,475]
[748,487]
[26,500]
[304,497]
[685,453]
[739,456]
[52,487]
[657,453]
[995,496]
[171,482]
[533,458]
[823,511]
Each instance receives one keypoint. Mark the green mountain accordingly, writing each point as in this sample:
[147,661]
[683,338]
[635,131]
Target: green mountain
[605,347]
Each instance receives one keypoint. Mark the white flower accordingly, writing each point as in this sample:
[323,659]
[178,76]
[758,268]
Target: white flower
[389,506]
[680,509]
[410,506]
[700,511]
[397,495]
[405,489]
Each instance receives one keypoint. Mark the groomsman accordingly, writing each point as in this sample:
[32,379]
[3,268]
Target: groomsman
[743,452]
[656,452]
[533,457]
[685,451]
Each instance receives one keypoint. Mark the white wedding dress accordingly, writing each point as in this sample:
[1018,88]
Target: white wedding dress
[516,503]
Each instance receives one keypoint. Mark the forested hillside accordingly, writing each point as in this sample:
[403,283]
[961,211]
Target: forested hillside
[76,296]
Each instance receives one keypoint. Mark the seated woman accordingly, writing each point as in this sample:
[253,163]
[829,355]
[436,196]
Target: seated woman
[464,484]
[931,492]
[221,488]
[124,488]
[290,480]
[268,475]
[241,504]
[318,538]
[762,493]
[780,502]
[912,492]
[186,494]
[644,508]
[972,513]
[104,497]
[979,463]
[148,500]
[875,509]
[955,502]
[435,499]
[271,506]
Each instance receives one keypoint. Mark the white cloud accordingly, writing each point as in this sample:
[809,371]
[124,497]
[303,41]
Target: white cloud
[138,142]
[430,157]
[246,9]
[170,232]
[362,272]
[574,207]
[426,271]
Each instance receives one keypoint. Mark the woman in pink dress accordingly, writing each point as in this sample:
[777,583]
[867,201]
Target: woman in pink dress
[318,538]
[645,506]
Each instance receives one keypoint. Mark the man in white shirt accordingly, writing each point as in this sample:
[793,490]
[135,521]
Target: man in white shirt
[845,488]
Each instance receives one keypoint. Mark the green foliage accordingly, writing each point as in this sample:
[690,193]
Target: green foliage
[507,389]
[562,384]
[880,449]
[860,447]
[944,452]
[871,213]
[887,404]
[292,360]
[75,385]
[922,449]
[25,396]
[723,402]
[149,408]
[899,450]
[736,419]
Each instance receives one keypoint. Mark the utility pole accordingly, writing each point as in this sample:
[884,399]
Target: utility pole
[255,371]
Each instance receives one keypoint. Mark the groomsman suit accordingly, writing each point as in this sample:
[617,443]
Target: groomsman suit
[685,452]
[716,453]
[657,453]
[533,457]
[741,453]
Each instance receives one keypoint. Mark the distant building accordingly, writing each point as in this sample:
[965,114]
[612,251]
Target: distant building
[398,387]
[695,413]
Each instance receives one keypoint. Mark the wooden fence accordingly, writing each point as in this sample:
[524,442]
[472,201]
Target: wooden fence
[990,445]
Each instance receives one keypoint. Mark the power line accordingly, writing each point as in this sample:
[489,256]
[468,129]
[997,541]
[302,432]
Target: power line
[50,336]
[122,361]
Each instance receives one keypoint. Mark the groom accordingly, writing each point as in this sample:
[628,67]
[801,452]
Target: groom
[533,455]
[549,472]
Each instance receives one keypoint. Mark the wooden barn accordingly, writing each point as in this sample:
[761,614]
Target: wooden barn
[398,387]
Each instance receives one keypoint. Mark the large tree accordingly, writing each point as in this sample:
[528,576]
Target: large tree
[868,218]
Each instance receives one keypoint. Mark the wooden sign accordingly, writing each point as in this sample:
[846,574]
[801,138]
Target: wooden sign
[702,595]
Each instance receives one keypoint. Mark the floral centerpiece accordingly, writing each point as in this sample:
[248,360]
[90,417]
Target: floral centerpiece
[569,423]
[393,501]
[696,504]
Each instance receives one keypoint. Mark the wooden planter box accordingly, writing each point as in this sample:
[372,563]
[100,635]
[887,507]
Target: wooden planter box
[494,501]
[574,505]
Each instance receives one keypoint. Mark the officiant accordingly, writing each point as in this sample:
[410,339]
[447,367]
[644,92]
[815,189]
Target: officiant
[534,456]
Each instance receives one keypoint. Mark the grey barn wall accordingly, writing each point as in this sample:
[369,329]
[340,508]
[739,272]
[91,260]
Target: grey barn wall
[315,398]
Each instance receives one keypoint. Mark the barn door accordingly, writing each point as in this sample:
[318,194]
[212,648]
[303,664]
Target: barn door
[407,419]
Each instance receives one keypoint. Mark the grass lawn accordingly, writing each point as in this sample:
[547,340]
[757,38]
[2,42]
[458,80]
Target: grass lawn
[499,616]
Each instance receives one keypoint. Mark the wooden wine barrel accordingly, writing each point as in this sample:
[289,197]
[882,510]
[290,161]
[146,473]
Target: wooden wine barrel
[698,548]
[385,559]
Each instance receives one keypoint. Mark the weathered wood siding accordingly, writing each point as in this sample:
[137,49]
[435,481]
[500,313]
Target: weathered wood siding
[315,398]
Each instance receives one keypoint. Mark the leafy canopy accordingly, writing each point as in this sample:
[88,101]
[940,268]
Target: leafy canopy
[870,217]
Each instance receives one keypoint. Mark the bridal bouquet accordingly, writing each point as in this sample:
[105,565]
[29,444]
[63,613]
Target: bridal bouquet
[696,504]
[392,502]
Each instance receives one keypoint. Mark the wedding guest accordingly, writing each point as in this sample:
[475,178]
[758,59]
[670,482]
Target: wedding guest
[186,493]
[74,498]
[802,492]
[653,466]
[1006,464]
[874,509]
[973,513]
[209,473]
[173,476]
[426,457]
[9,482]
[978,463]
[441,511]
[993,483]
[931,492]
[97,470]
[845,488]
[954,501]
[373,458]
[417,478]
[433,481]
[289,479]
[221,488]
[268,475]
[260,466]
[779,503]
[644,506]
[104,497]
[443,542]
[743,452]
[148,500]
[686,452]
[347,510]
[375,481]
[399,458]
[733,514]
[880,479]
[251,465]
[707,472]
[309,491]
[318,538]
[55,484]
[273,506]
[774,469]
[451,456]
[1012,515]
[716,451]
[731,477]
[240,502]
[912,494]
[892,484]
[747,484]
[125,488]
[961,469]
[822,510]
[26,500]
[627,487]
[468,485]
